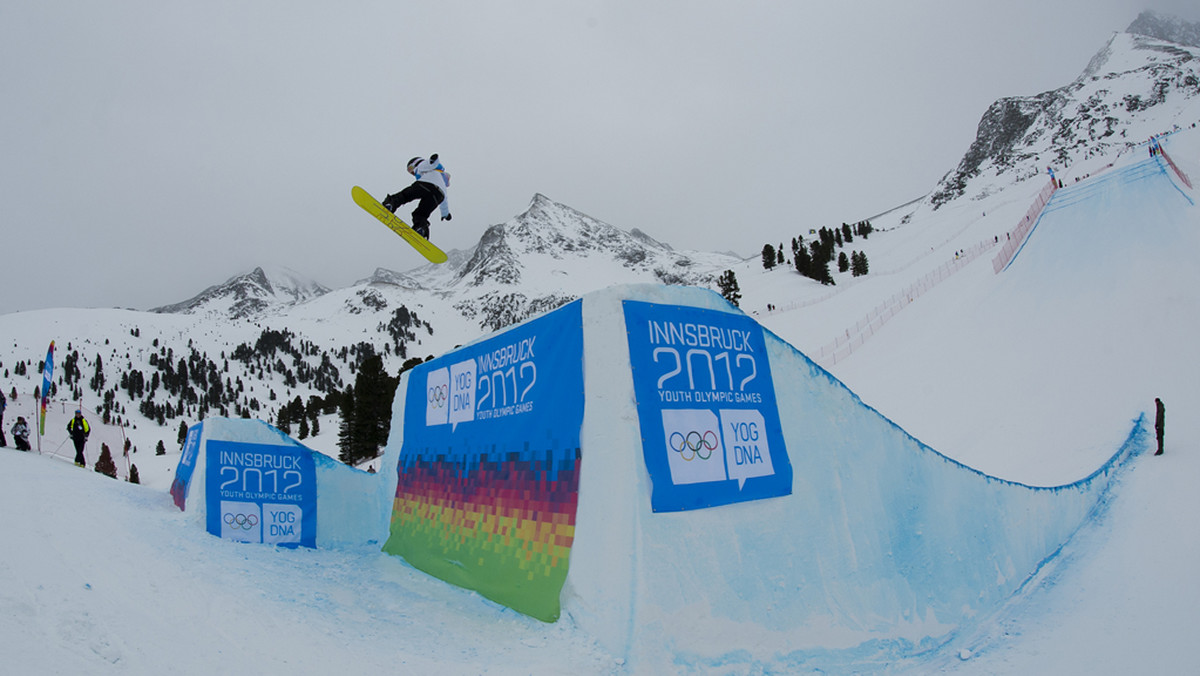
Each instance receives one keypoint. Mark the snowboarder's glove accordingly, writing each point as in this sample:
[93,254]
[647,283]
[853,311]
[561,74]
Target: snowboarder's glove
[446,217]
[433,158]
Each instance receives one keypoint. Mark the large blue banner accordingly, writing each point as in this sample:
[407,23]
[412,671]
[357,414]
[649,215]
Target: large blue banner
[261,493]
[488,477]
[706,405]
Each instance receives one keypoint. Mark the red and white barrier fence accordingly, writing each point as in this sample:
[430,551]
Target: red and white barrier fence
[856,335]
[1017,236]
[1178,172]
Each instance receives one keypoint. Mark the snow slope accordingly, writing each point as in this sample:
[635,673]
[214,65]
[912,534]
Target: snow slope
[1033,374]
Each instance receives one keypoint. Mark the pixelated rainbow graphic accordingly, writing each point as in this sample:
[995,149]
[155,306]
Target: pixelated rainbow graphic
[501,527]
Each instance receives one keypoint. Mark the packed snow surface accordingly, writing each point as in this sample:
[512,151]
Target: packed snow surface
[1033,375]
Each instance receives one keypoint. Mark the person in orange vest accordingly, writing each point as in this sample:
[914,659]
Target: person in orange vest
[79,430]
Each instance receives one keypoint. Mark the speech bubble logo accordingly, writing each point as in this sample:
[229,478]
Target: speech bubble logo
[437,397]
[462,392]
[282,524]
[747,453]
[694,450]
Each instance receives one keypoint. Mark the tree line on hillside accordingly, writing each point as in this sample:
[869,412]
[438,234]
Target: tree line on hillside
[364,409]
[812,259]
[192,386]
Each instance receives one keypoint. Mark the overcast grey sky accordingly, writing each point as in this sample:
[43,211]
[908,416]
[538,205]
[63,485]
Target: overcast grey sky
[149,149]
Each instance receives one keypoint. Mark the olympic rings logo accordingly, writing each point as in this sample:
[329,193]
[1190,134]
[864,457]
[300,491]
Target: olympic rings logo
[693,444]
[438,395]
[241,521]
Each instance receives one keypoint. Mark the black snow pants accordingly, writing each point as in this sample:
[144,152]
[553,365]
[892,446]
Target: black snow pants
[428,194]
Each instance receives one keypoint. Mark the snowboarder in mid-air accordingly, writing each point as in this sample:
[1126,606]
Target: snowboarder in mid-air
[429,188]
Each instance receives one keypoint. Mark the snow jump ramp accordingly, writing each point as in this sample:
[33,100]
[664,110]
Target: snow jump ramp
[246,481]
[676,480]
[653,464]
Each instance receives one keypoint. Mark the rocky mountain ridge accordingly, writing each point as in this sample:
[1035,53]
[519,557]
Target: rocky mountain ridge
[1114,106]
[251,294]
[542,258]
[1167,28]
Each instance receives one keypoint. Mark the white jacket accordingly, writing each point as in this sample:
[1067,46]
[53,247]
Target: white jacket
[435,174]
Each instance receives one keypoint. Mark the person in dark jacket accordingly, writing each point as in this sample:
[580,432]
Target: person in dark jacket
[1160,423]
[79,430]
[3,405]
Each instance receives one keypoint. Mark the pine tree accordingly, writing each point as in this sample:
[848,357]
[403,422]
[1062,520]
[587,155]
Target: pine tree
[133,475]
[105,464]
[843,262]
[821,273]
[183,430]
[729,287]
[768,256]
[858,264]
[97,382]
[802,260]
[283,420]
[371,418]
[312,411]
[161,448]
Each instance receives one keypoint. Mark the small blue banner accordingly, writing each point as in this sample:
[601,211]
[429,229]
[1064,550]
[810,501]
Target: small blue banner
[706,405]
[261,493]
[187,465]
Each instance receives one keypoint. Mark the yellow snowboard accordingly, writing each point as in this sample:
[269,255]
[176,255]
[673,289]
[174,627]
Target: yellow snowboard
[423,246]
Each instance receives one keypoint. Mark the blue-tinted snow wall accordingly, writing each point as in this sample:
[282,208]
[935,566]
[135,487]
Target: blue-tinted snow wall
[352,506]
[884,547]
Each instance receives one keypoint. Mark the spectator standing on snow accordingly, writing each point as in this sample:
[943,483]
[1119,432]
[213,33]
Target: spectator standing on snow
[79,430]
[1160,423]
[3,404]
[20,433]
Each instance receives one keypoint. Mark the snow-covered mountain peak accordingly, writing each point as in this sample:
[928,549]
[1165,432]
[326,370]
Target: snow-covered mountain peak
[251,294]
[552,238]
[556,230]
[390,278]
[285,282]
[1136,86]
[550,254]
[1166,27]
[1132,51]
